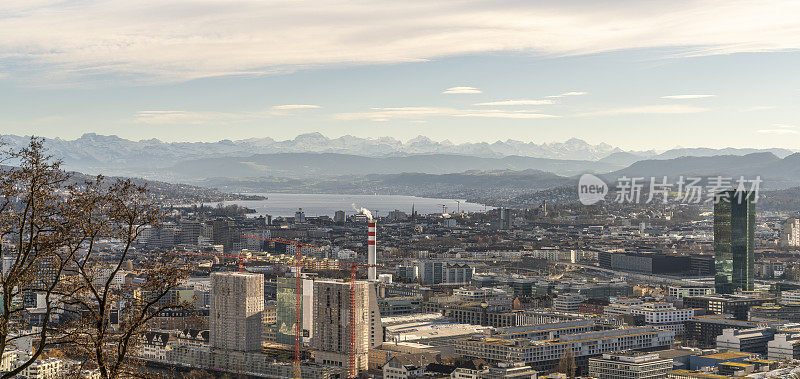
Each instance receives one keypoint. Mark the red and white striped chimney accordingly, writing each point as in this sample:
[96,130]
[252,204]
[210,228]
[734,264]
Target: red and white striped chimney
[372,256]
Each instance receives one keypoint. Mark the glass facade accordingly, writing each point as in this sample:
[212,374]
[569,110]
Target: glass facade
[734,227]
[285,311]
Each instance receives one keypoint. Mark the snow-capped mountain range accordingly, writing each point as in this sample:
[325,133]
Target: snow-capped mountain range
[307,153]
[95,149]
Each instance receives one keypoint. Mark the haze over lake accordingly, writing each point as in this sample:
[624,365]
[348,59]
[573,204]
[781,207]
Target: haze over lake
[286,204]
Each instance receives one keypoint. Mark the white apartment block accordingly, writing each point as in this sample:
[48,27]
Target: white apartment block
[662,315]
[8,360]
[790,235]
[679,292]
[55,368]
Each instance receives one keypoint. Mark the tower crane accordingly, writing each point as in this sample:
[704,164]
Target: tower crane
[296,373]
[298,298]
[238,257]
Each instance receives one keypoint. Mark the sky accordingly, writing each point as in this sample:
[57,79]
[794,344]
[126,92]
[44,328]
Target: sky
[639,75]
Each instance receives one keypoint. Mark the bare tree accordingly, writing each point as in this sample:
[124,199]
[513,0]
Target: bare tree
[34,229]
[52,229]
[567,363]
[119,211]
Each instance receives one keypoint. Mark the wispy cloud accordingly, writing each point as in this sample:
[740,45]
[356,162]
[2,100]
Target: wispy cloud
[178,117]
[565,94]
[782,132]
[170,117]
[395,112]
[686,97]
[384,114]
[189,39]
[505,114]
[780,129]
[517,102]
[462,90]
[759,108]
[645,109]
[289,107]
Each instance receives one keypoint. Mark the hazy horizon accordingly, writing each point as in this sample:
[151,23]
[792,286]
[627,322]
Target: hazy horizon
[411,139]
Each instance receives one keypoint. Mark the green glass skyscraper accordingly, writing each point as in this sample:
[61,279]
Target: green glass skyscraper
[734,235]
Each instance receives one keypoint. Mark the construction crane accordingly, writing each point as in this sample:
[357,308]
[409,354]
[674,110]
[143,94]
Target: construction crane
[238,257]
[298,298]
[352,370]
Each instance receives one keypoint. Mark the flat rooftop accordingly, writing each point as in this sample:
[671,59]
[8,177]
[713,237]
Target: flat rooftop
[728,355]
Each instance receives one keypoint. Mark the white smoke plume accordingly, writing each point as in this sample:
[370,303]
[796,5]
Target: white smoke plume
[365,211]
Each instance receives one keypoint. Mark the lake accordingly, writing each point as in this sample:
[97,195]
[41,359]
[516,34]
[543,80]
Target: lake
[286,204]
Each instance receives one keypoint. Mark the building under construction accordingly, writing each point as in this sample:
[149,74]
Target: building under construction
[333,340]
[237,307]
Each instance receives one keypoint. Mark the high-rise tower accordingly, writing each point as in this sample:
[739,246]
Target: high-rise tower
[332,307]
[734,240]
[237,307]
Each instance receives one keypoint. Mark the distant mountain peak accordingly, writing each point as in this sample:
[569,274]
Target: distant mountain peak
[110,154]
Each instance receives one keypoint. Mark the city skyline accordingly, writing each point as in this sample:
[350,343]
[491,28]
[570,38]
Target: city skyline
[464,72]
[379,189]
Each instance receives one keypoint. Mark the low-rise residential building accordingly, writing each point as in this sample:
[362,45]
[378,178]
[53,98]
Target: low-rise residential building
[53,368]
[629,365]
[154,346]
[406,366]
[43,368]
